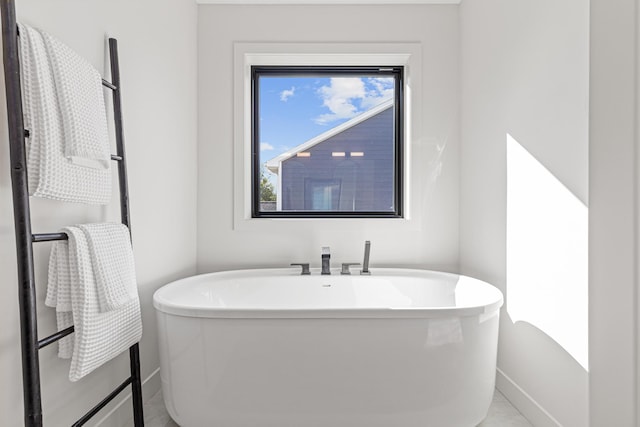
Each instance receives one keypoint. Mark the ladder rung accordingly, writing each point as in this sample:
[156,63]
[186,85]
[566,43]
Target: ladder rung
[109,85]
[102,404]
[55,337]
[48,237]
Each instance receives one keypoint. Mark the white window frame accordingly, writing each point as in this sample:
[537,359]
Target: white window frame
[407,55]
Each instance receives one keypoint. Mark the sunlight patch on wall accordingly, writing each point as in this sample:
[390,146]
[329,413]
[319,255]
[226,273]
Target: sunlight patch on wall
[547,253]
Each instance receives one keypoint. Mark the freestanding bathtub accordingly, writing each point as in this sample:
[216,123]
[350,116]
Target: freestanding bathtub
[272,348]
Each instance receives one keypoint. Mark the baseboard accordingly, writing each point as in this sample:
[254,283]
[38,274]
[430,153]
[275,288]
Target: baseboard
[122,413]
[524,403]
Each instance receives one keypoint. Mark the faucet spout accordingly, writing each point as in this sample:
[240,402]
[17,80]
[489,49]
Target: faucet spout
[326,258]
[365,262]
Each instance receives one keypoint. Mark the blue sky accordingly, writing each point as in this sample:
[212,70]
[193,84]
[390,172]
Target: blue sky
[296,109]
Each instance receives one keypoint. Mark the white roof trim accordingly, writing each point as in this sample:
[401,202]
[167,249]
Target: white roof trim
[344,2]
[274,164]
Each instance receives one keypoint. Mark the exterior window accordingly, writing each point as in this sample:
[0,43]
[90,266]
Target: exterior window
[321,194]
[327,141]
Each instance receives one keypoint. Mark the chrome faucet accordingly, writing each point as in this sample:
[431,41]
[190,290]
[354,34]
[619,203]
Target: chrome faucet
[365,262]
[326,257]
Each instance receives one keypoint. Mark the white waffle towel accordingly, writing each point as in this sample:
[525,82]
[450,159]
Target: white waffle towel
[112,257]
[59,295]
[51,173]
[99,336]
[81,101]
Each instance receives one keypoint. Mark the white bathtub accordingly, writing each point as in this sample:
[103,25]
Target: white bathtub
[272,348]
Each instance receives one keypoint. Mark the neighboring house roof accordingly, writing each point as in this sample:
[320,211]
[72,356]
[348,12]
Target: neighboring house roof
[274,164]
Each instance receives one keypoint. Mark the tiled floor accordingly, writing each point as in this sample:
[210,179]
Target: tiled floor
[501,414]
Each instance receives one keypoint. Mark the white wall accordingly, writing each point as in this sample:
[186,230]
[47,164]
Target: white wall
[157,43]
[614,214]
[524,84]
[434,242]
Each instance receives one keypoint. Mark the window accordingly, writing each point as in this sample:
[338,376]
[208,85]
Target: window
[326,142]
[321,194]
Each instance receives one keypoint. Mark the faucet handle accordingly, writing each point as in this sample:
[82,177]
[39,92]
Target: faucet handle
[305,268]
[345,267]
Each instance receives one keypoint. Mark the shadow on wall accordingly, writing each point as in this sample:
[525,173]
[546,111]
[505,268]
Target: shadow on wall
[543,364]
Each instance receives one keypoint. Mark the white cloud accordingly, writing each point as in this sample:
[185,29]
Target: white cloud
[381,84]
[265,146]
[339,98]
[346,97]
[381,90]
[287,93]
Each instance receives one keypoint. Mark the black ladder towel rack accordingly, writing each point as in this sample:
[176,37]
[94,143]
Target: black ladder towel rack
[30,343]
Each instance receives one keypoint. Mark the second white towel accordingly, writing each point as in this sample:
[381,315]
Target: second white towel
[99,335]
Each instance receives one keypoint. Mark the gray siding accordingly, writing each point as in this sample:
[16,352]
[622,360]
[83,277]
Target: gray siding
[322,181]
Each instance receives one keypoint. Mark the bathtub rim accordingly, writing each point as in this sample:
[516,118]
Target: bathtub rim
[486,310]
